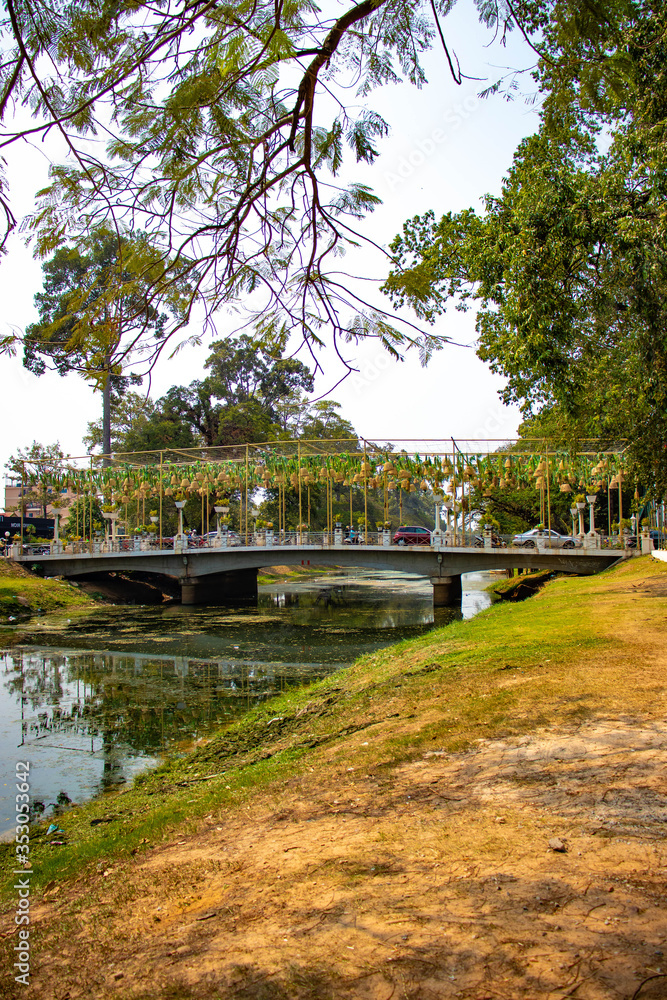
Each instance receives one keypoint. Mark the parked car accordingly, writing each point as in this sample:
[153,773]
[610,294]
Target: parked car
[528,539]
[659,538]
[412,535]
[233,537]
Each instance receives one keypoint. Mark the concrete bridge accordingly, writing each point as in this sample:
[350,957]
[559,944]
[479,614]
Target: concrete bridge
[212,574]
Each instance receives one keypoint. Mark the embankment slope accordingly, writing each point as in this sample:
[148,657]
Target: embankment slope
[386,833]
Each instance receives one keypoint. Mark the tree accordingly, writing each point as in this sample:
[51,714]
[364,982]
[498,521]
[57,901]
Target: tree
[141,424]
[225,143]
[569,265]
[322,420]
[33,467]
[93,311]
[236,403]
[79,517]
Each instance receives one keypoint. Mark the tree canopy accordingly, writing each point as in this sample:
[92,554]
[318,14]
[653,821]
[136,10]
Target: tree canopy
[568,267]
[226,126]
[94,309]
[36,464]
[249,395]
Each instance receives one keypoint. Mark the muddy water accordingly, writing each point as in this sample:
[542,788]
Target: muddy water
[94,698]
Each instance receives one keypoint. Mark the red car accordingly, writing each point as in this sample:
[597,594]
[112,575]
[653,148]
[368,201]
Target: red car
[412,535]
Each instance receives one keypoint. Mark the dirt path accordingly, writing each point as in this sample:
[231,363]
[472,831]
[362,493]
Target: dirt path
[438,883]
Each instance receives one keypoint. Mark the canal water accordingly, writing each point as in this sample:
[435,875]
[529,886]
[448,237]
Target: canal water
[93,698]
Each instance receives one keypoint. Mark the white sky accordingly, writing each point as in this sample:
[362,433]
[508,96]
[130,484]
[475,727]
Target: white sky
[446,149]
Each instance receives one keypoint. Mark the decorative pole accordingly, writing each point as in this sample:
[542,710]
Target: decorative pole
[548,491]
[180,504]
[298,478]
[591,498]
[365,498]
[161,489]
[247,459]
[21,502]
[90,506]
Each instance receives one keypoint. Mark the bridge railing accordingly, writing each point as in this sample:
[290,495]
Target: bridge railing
[324,539]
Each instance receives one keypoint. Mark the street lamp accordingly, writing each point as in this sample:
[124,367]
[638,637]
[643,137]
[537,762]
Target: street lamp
[221,509]
[180,504]
[573,512]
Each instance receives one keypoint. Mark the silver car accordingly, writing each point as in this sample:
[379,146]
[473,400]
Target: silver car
[552,540]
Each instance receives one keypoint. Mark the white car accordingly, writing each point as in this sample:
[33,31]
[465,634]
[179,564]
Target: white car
[552,540]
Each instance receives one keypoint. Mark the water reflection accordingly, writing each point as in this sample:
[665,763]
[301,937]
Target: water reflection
[96,697]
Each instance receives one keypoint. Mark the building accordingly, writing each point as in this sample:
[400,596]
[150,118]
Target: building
[14,490]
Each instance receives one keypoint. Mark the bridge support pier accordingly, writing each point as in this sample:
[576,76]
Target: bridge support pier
[220,588]
[447,591]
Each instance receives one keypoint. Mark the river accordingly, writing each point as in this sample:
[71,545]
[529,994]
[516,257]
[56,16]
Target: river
[93,698]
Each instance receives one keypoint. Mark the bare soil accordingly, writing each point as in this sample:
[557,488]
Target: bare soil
[438,883]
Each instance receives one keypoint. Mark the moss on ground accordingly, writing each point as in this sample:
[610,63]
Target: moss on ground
[22,593]
[281,574]
[517,588]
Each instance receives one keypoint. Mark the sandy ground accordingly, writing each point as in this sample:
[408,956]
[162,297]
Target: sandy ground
[438,881]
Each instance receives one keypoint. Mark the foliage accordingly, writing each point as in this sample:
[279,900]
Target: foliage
[249,395]
[41,462]
[321,420]
[36,595]
[568,266]
[224,143]
[79,516]
[140,424]
[94,309]
[81,320]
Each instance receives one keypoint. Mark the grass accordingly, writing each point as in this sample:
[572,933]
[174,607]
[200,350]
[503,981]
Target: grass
[22,593]
[280,574]
[571,653]
[525,581]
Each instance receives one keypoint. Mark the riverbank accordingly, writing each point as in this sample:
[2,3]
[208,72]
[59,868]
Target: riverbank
[472,814]
[283,574]
[23,594]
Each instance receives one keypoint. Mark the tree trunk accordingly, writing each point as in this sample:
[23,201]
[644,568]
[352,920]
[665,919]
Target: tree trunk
[106,417]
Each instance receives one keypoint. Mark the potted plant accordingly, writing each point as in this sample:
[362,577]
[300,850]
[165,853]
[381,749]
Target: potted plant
[302,533]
